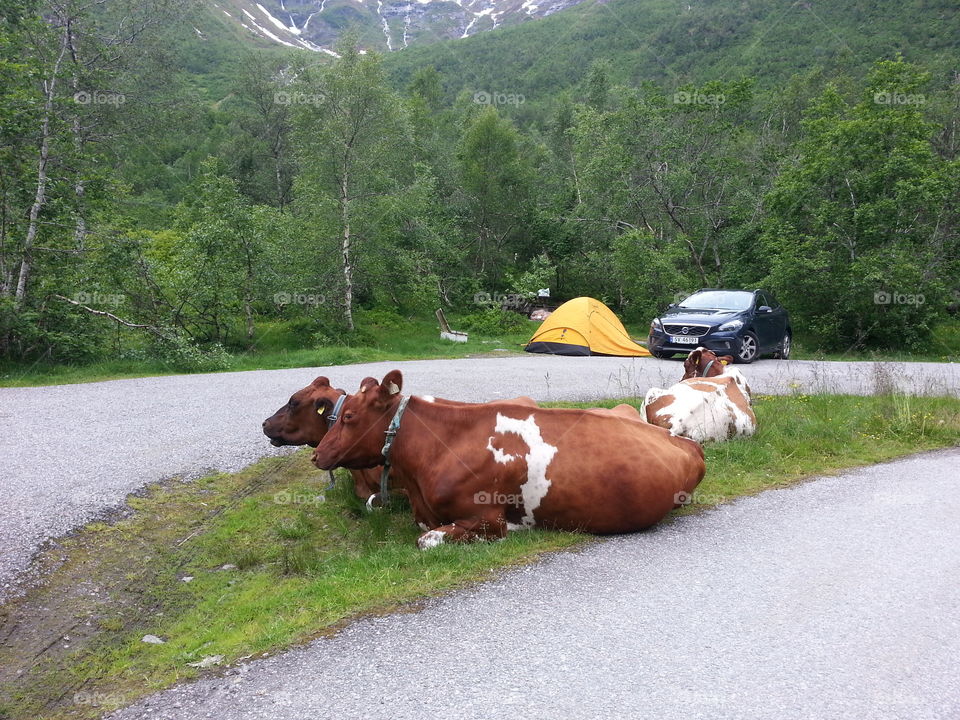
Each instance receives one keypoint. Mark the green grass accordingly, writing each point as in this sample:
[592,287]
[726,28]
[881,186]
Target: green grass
[944,346]
[279,345]
[307,559]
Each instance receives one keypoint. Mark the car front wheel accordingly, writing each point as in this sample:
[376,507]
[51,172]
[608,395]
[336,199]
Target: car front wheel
[748,349]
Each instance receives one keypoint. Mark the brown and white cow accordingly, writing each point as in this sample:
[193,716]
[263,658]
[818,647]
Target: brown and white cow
[476,471]
[711,403]
[304,420]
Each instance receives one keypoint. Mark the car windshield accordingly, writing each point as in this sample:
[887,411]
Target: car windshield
[719,300]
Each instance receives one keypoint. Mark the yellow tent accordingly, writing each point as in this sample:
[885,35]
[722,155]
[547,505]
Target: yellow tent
[584,326]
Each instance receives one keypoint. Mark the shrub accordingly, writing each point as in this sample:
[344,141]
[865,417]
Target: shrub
[182,354]
[493,322]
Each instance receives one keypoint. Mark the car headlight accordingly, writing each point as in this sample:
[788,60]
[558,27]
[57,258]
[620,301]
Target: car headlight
[656,325]
[732,325]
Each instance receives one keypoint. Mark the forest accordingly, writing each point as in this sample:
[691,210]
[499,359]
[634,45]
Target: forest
[167,191]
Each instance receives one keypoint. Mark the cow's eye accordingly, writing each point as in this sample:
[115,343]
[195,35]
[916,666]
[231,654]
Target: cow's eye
[348,416]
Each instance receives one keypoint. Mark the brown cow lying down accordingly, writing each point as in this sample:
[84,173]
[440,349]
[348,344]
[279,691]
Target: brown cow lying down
[710,403]
[475,471]
[304,421]
[397,479]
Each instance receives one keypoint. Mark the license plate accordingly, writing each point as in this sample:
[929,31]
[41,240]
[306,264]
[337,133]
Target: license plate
[684,340]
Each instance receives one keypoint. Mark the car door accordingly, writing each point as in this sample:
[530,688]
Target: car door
[764,323]
[780,319]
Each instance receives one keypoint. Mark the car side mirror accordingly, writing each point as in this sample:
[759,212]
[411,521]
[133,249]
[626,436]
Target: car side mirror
[671,306]
[765,309]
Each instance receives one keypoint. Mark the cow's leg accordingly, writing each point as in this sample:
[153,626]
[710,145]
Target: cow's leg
[488,527]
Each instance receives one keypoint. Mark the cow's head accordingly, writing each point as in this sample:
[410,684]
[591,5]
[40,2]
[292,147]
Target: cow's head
[303,420]
[356,440]
[704,363]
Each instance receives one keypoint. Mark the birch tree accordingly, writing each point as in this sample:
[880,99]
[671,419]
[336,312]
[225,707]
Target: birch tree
[351,134]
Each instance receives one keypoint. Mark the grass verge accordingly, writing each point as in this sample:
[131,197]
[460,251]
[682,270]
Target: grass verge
[276,559]
[280,345]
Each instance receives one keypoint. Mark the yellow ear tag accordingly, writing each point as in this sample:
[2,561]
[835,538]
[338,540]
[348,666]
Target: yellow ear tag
[723,362]
[320,411]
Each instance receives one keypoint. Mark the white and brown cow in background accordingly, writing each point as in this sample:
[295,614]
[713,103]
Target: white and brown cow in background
[711,403]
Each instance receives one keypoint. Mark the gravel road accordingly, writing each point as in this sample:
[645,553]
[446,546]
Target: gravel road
[71,451]
[837,598]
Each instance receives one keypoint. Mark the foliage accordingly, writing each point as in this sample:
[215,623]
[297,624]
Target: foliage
[493,322]
[234,190]
[861,231]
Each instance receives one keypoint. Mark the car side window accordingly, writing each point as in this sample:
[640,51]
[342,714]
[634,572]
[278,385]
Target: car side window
[761,300]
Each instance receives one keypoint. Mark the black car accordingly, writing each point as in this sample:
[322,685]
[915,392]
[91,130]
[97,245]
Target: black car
[742,323]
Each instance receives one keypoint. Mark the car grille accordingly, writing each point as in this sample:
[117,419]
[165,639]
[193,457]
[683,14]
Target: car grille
[691,330]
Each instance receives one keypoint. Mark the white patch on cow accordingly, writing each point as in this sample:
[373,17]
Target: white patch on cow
[423,526]
[430,539]
[653,394]
[538,457]
[513,526]
[428,398]
[702,410]
[499,455]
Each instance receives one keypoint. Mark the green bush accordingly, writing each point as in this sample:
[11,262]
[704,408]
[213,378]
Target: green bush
[493,322]
[182,354]
[51,331]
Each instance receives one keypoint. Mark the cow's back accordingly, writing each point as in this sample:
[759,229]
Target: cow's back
[604,474]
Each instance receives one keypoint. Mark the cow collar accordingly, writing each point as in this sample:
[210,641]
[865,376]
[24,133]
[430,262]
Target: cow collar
[707,368]
[335,413]
[331,421]
[389,437]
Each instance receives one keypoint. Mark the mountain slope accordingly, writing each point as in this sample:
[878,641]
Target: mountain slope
[386,25]
[673,43]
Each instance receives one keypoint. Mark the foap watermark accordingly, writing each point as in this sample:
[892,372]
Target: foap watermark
[285,497]
[98,97]
[882,297]
[696,498]
[99,298]
[897,498]
[99,699]
[685,97]
[295,298]
[284,97]
[88,498]
[482,97]
[498,498]
[506,300]
[898,98]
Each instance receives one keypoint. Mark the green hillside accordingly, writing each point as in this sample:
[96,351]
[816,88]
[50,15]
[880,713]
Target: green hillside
[676,42]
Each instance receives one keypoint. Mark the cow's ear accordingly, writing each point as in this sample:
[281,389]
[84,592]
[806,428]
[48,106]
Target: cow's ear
[323,407]
[320,382]
[693,359]
[367,383]
[392,382]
